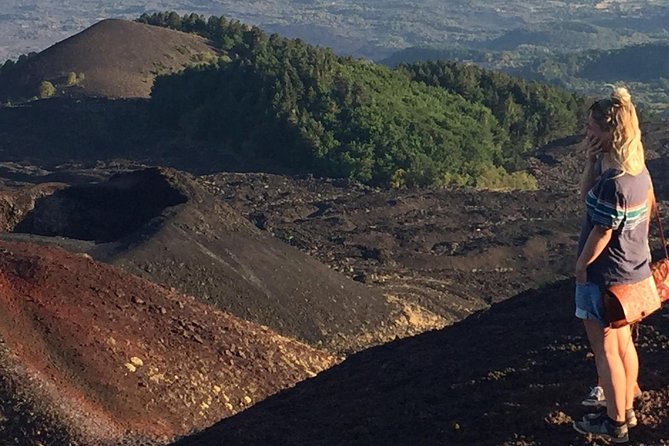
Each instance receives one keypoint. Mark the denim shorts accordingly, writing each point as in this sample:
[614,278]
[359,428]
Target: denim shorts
[589,302]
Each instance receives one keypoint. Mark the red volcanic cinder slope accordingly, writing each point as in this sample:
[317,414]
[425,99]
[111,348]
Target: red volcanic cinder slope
[101,356]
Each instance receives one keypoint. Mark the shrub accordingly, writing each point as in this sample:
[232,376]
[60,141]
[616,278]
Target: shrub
[496,178]
[46,90]
[72,79]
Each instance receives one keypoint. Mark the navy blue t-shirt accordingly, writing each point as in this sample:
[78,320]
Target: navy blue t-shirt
[619,201]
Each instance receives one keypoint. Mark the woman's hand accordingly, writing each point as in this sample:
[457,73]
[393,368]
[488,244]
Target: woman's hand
[596,243]
[594,147]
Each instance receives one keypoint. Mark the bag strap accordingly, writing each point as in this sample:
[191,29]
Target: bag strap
[656,212]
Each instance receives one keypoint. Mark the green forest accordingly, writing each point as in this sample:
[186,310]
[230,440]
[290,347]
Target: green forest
[305,108]
[530,114]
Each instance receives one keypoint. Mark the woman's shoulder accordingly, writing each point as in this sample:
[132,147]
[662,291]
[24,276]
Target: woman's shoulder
[627,183]
[611,174]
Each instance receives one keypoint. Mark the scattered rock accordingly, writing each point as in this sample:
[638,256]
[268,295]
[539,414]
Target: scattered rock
[137,362]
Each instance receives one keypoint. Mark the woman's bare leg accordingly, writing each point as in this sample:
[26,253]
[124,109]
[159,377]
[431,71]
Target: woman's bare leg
[596,337]
[630,360]
[615,389]
[604,344]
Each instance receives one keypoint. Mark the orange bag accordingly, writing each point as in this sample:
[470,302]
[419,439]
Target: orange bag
[661,276]
[629,303]
[660,268]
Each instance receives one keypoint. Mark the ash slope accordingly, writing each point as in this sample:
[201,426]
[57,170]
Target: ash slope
[90,354]
[161,225]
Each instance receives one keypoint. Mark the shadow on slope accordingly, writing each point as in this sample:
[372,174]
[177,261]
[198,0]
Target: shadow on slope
[101,212]
[659,170]
[59,130]
[18,420]
[513,375]
[49,133]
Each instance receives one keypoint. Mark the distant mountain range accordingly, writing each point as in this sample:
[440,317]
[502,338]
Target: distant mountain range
[372,29]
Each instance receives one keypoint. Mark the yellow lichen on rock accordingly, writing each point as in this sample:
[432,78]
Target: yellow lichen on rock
[156,377]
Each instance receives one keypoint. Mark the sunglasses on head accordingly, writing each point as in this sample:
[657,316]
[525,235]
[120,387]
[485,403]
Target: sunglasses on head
[603,111]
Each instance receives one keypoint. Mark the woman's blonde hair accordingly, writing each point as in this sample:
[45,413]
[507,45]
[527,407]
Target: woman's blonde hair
[618,115]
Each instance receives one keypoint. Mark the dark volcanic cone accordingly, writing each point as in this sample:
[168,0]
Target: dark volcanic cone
[92,354]
[513,375]
[113,58]
[162,225]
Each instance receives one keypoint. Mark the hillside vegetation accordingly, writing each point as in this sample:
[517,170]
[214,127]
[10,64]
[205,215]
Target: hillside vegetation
[643,67]
[306,108]
[530,114]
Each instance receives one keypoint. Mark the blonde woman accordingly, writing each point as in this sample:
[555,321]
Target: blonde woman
[613,249]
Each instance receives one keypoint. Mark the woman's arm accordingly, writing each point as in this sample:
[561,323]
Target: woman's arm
[597,240]
[590,171]
[588,178]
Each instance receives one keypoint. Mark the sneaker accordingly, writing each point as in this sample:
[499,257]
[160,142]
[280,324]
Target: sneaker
[630,417]
[595,398]
[604,428]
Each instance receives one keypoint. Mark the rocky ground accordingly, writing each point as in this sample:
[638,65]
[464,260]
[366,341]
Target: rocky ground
[510,375]
[450,251]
